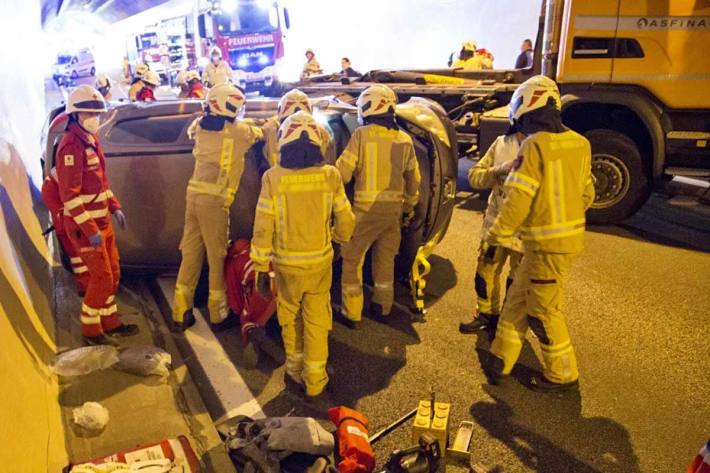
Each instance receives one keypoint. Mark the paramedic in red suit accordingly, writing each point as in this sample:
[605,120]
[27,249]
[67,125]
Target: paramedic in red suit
[88,205]
[51,198]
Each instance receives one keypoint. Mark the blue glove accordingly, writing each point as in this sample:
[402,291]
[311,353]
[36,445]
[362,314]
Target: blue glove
[95,240]
[120,218]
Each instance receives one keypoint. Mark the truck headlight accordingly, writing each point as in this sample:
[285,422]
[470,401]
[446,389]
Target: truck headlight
[243,61]
[263,60]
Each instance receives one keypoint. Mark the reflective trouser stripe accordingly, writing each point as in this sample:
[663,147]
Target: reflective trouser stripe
[80,269]
[217,306]
[88,320]
[182,302]
[294,365]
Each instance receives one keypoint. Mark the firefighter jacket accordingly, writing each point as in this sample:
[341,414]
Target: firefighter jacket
[136,87]
[311,68]
[52,200]
[484,175]
[145,95]
[474,63]
[197,91]
[83,185]
[384,164]
[219,161]
[294,216]
[271,142]
[219,74]
[547,193]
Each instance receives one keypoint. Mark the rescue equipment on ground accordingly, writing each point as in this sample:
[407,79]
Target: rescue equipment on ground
[701,462]
[459,450]
[432,419]
[84,360]
[253,309]
[144,360]
[354,449]
[425,457]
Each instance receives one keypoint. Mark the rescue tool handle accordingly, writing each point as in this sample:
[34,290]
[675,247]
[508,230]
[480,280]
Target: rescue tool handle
[378,435]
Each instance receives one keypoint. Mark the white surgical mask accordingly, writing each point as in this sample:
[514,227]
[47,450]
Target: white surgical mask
[91,124]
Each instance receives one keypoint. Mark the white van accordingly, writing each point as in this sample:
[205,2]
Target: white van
[72,66]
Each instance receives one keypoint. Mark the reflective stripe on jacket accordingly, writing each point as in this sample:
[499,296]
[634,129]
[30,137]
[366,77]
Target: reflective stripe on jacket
[83,186]
[271,142]
[294,215]
[219,160]
[483,176]
[384,165]
[547,194]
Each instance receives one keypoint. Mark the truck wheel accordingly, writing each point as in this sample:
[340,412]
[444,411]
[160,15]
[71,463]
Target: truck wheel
[622,182]
[74,75]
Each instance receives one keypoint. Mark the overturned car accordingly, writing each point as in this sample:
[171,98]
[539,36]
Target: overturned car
[149,162]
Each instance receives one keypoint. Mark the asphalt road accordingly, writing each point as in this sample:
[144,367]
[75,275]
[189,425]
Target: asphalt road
[638,305]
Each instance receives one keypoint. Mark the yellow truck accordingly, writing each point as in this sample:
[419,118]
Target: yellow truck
[635,79]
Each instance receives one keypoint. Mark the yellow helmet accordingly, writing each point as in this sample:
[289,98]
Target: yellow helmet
[469,46]
[293,101]
[532,94]
[225,100]
[152,78]
[141,69]
[299,126]
[377,99]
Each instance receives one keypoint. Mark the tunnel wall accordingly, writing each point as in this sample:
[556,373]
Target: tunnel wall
[31,432]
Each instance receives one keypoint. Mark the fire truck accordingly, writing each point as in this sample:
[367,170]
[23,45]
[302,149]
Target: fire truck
[248,32]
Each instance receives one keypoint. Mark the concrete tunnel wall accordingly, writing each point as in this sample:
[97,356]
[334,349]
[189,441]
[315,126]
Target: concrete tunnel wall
[31,431]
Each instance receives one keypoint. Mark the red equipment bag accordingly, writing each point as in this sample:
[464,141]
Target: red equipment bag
[701,462]
[353,442]
[243,298]
[178,451]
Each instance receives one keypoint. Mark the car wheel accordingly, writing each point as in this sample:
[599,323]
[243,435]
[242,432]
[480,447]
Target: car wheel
[93,71]
[74,75]
[623,183]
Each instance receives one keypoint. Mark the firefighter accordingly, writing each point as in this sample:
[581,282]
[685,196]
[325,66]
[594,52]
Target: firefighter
[490,173]
[291,102]
[103,85]
[548,190]
[51,198]
[137,84]
[470,60]
[221,143]
[217,70]
[312,66]
[300,200]
[88,204]
[381,159]
[190,85]
[151,80]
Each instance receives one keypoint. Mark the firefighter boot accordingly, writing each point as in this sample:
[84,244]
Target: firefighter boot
[377,314]
[188,320]
[482,322]
[99,340]
[123,330]
[541,384]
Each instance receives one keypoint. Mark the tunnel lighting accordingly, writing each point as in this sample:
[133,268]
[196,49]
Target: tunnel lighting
[228,6]
[265,3]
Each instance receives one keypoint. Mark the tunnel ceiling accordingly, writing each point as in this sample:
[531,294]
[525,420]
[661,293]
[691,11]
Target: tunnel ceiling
[110,11]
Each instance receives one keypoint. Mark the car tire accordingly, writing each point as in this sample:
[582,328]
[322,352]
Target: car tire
[93,71]
[623,183]
[74,75]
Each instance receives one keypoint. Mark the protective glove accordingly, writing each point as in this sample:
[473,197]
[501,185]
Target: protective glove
[407,218]
[95,240]
[263,284]
[120,218]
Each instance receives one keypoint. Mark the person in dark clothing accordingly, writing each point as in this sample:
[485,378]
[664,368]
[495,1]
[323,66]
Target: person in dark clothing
[347,70]
[525,58]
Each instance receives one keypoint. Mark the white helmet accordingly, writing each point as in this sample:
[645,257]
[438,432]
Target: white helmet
[293,101]
[192,75]
[152,78]
[225,100]
[469,46]
[377,99]
[85,99]
[215,51]
[102,80]
[532,94]
[181,78]
[141,69]
[300,125]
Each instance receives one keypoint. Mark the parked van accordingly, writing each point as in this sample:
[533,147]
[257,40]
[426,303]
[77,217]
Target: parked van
[71,66]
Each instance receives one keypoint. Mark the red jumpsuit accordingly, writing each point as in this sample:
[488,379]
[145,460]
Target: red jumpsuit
[50,197]
[145,95]
[197,91]
[88,204]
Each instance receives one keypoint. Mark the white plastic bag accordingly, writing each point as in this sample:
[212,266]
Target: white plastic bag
[91,416]
[144,361]
[84,360]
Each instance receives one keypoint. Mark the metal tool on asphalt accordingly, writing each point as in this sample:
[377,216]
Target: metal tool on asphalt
[423,458]
[459,450]
[401,421]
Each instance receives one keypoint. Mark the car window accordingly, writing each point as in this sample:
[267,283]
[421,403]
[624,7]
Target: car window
[150,130]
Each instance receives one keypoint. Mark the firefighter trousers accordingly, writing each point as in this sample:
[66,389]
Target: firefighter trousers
[303,311]
[491,262]
[380,230]
[79,269]
[98,310]
[535,300]
[206,231]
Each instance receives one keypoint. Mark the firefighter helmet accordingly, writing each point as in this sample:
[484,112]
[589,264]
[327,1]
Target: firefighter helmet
[469,46]
[225,100]
[103,84]
[152,78]
[377,99]
[293,101]
[215,51]
[85,99]
[532,94]
[181,78]
[299,126]
[141,69]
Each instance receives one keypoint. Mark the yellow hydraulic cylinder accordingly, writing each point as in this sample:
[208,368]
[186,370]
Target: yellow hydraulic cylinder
[436,425]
